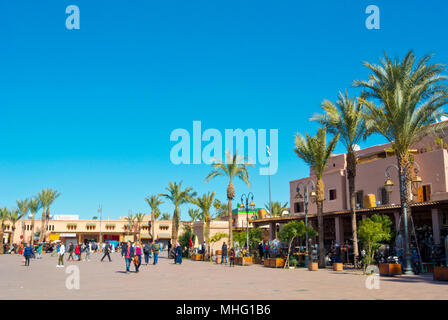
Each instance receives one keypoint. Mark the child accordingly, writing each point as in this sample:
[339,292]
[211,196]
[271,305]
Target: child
[232,257]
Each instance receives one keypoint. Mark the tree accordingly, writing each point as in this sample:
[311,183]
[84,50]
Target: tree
[14,216]
[178,197]
[131,223]
[22,206]
[255,236]
[33,207]
[371,232]
[223,211]
[346,118]
[46,198]
[205,203]
[316,153]
[165,216]
[154,202]
[4,214]
[235,167]
[194,215]
[292,230]
[217,205]
[184,240]
[95,218]
[277,208]
[139,217]
[409,95]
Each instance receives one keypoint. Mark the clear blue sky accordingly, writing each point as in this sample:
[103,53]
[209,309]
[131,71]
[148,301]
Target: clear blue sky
[89,112]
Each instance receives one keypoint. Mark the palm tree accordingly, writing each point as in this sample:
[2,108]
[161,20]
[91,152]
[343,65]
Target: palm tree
[194,214]
[131,223]
[154,202]
[139,217]
[223,210]
[46,198]
[277,208]
[235,166]
[205,203]
[33,206]
[217,204]
[315,152]
[4,214]
[165,216]
[14,216]
[346,118]
[22,206]
[178,197]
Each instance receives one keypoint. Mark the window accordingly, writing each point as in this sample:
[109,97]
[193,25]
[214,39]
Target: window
[298,207]
[360,199]
[384,196]
[424,193]
[332,194]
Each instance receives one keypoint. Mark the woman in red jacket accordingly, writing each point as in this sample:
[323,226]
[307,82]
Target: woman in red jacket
[78,252]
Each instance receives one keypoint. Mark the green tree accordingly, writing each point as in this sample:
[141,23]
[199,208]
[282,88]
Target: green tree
[178,197]
[33,207]
[14,216]
[131,224]
[371,232]
[316,153]
[204,203]
[22,206]
[46,199]
[154,202]
[194,215]
[139,217]
[217,205]
[293,230]
[184,240]
[277,208]
[346,118]
[234,167]
[4,214]
[165,216]
[255,236]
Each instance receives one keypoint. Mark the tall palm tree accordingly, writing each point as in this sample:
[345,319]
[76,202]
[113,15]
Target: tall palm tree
[22,206]
[33,207]
[234,167]
[406,98]
[139,217]
[277,208]
[346,118]
[316,153]
[4,214]
[46,198]
[223,210]
[154,202]
[165,216]
[178,197]
[14,216]
[131,224]
[194,214]
[217,205]
[205,203]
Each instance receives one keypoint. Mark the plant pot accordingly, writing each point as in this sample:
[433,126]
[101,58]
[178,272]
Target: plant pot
[313,266]
[338,266]
[218,252]
[197,257]
[256,260]
[440,273]
[274,262]
[243,261]
[389,269]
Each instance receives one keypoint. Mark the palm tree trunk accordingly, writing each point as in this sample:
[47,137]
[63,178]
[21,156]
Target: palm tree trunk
[229,213]
[320,221]
[1,239]
[351,174]
[42,226]
[153,225]
[32,230]
[175,228]
[13,229]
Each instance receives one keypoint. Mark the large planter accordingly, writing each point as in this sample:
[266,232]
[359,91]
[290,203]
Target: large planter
[274,262]
[338,266]
[256,260]
[218,252]
[197,257]
[243,261]
[389,269]
[440,273]
[313,266]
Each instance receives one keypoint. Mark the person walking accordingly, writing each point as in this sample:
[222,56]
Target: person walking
[128,255]
[106,252]
[78,252]
[123,249]
[39,251]
[27,254]
[61,256]
[87,250]
[232,257]
[169,249]
[155,251]
[70,251]
[138,254]
[147,252]
[178,252]
[224,252]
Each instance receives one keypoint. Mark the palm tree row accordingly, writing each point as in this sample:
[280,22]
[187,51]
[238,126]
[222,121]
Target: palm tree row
[401,101]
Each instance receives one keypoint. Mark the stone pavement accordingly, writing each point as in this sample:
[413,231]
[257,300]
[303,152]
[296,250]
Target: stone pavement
[199,280]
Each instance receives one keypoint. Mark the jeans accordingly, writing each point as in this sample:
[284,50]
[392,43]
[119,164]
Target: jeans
[27,261]
[106,255]
[156,257]
[61,260]
[146,258]
[128,264]
[223,258]
[139,263]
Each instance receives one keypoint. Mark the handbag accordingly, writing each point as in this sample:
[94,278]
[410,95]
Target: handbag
[135,260]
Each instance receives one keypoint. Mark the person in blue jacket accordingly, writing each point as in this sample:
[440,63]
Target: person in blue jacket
[178,252]
[27,253]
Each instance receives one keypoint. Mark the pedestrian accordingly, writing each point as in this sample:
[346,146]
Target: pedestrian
[77,252]
[123,249]
[260,249]
[106,252]
[147,252]
[155,251]
[61,256]
[169,249]
[178,252]
[129,255]
[138,254]
[27,254]
[232,257]
[87,250]
[70,251]
[39,251]
[224,252]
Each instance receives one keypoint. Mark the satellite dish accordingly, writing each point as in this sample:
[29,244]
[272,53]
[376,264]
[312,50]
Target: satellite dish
[356,147]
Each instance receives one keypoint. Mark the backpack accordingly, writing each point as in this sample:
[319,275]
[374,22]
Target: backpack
[156,247]
[146,249]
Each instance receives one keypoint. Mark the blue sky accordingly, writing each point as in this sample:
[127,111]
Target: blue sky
[89,112]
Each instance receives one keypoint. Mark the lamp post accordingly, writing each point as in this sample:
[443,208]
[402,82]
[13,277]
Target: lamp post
[388,185]
[269,178]
[305,198]
[252,206]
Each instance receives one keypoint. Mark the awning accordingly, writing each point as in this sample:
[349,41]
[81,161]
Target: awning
[145,236]
[54,236]
[164,236]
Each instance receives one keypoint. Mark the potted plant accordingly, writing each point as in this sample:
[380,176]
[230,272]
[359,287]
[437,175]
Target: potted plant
[440,273]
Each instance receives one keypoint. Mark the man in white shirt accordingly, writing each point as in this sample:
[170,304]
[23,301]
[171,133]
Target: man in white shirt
[61,256]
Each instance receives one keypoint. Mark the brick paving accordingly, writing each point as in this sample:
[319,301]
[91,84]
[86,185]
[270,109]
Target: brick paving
[200,280]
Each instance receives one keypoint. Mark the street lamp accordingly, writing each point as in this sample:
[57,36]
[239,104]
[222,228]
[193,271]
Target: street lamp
[252,206]
[415,182]
[305,198]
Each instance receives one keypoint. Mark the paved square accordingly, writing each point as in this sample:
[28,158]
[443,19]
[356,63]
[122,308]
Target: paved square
[199,280]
